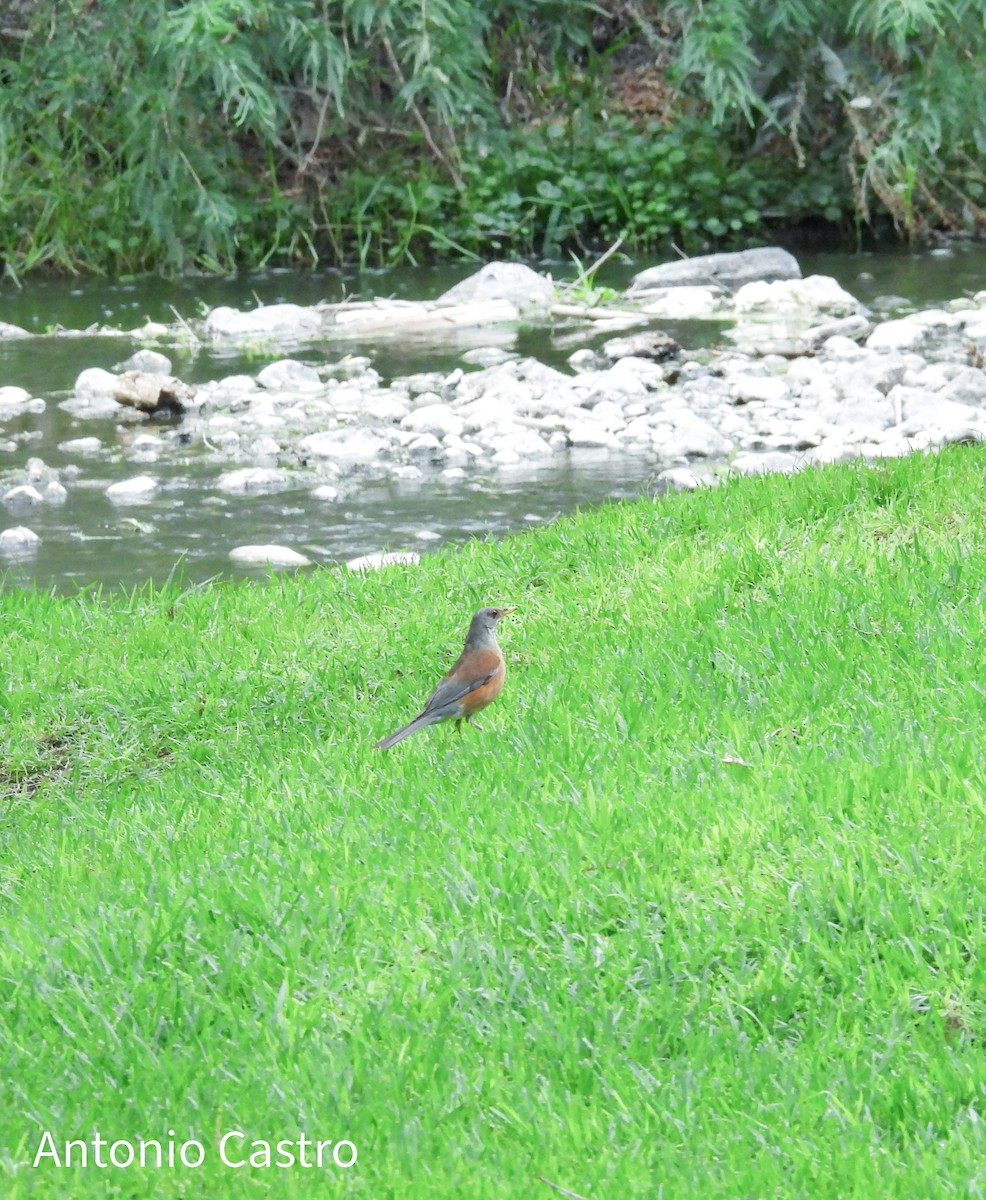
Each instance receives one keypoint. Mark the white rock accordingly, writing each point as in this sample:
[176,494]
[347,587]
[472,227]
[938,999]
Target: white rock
[914,331]
[951,435]
[271,556]
[585,360]
[640,429]
[592,434]
[680,479]
[409,473]
[14,397]
[690,437]
[133,491]
[437,419]
[524,288]
[287,374]
[426,445]
[325,491]
[803,433]
[373,562]
[770,389]
[522,443]
[428,535]
[595,387]
[765,463]
[887,448]
[832,450]
[147,443]
[18,541]
[38,471]
[842,347]
[630,374]
[83,445]
[816,293]
[350,447]
[252,481]
[487,356]
[233,386]
[609,415]
[23,496]
[383,406]
[451,473]
[94,381]
[266,420]
[685,303]
[489,414]
[920,410]
[974,327]
[93,396]
[150,330]
[149,361]
[966,386]
[54,492]
[227,441]
[267,320]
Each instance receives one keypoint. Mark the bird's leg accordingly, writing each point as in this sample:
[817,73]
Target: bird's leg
[458,725]
[476,725]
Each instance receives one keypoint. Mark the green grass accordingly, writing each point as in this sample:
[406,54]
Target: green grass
[586,945]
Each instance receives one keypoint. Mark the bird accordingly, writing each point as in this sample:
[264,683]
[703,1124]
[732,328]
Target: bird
[475,680]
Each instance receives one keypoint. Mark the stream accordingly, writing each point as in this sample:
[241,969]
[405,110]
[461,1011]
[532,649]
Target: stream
[189,528]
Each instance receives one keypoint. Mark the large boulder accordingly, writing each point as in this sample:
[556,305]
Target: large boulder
[151,392]
[525,289]
[727,270]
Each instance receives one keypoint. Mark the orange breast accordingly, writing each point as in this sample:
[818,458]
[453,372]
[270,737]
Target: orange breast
[481,696]
[472,667]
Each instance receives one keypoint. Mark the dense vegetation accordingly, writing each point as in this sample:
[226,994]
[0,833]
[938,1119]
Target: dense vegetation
[215,132]
[700,912]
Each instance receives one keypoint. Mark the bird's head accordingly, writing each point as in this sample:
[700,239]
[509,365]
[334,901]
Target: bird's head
[490,616]
[484,623]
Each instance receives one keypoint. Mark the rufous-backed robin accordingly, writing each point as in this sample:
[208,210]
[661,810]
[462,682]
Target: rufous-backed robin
[474,681]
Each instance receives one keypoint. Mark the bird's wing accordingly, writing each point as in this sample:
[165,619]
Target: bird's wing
[459,683]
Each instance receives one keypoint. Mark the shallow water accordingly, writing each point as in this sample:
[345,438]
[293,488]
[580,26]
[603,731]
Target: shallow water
[191,528]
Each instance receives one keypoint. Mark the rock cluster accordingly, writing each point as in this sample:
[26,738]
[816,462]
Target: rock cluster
[804,377]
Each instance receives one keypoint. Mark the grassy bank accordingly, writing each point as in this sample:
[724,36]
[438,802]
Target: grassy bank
[700,914]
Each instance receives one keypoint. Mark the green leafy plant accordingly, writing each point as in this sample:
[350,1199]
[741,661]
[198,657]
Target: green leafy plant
[213,133]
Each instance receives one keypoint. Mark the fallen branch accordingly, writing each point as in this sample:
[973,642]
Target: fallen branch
[597,314]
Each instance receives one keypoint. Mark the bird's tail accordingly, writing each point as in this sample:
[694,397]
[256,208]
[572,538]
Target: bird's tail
[419,722]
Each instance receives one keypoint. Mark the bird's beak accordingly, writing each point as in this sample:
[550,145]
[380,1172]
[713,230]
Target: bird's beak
[512,608]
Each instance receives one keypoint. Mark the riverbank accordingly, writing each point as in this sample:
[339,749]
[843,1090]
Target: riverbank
[319,441]
[695,911]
